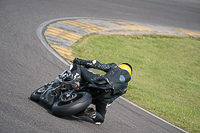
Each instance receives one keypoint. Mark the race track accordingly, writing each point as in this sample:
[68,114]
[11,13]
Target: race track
[26,64]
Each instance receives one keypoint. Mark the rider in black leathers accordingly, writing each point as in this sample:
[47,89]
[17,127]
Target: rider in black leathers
[116,77]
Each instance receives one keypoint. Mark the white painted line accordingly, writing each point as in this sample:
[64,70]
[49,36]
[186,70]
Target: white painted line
[152,114]
[42,39]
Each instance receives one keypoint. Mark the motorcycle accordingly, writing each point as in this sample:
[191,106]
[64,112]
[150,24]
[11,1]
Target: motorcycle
[63,100]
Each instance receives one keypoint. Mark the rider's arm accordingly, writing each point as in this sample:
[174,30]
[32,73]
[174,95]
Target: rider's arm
[94,64]
[103,67]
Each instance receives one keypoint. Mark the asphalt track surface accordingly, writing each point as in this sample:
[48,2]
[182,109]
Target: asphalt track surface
[26,64]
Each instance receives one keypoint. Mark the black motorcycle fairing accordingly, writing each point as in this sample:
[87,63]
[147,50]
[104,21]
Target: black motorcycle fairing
[37,93]
[48,98]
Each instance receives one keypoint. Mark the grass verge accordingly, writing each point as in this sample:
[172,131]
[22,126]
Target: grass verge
[166,72]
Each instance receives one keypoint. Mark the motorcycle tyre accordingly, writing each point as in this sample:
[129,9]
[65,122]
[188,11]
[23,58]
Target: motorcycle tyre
[35,96]
[72,108]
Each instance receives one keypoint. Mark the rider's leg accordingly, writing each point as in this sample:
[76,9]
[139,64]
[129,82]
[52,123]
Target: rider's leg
[100,111]
[79,72]
[98,115]
[87,75]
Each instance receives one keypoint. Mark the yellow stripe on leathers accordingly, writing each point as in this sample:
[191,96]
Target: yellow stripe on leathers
[84,25]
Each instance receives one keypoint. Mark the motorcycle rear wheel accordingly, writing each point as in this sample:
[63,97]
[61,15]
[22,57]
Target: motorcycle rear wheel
[80,103]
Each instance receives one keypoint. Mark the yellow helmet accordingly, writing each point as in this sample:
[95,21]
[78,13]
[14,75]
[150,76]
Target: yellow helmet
[126,67]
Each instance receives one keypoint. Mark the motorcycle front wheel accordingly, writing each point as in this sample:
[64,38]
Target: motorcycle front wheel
[37,93]
[74,106]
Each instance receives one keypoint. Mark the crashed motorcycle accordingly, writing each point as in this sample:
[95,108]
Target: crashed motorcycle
[63,100]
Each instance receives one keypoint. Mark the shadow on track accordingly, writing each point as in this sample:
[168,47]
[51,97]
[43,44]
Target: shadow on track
[79,118]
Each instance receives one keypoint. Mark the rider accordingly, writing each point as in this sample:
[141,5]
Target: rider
[116,77]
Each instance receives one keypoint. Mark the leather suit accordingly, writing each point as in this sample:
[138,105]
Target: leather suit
[115,78]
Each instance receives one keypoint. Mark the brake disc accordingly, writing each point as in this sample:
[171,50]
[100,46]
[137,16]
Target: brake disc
[65,98]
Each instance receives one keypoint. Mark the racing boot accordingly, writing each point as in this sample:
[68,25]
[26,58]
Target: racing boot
[90,112]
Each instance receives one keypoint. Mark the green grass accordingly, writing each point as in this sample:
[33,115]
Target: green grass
[166,72]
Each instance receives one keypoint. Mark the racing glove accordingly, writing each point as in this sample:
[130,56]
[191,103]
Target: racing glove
[86,63]
[77,61]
